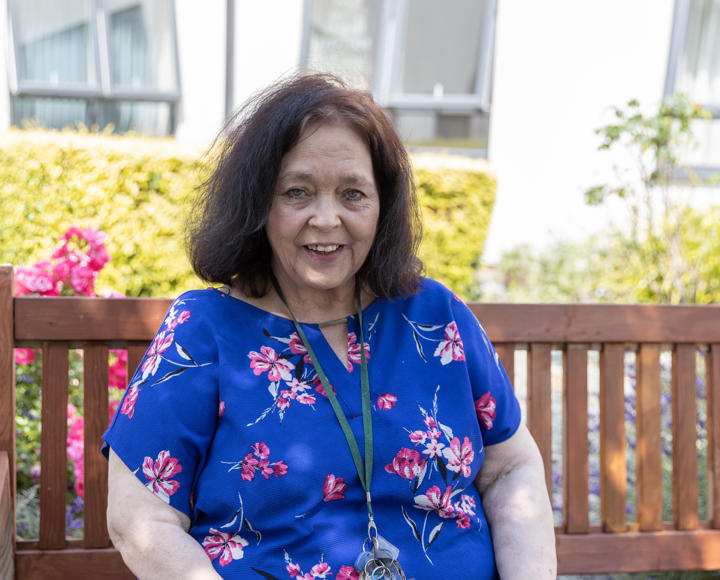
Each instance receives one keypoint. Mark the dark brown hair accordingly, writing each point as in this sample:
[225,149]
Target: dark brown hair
[226,239]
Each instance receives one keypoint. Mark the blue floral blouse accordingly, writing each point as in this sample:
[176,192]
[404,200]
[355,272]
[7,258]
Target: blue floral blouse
[226,420]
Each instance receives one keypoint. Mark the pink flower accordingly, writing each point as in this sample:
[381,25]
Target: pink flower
[260,450]
[306,399]
[117,373]
[348,573]
[279,468]
[160,473]
[433,501]
[24,356]
[386,401]
[268,360]
[418,437]
[319,387]
[430,421]
[408,464]
[354,354]
[296,344]
[463,521]
[283,402]
[128,406]
[263,466]
[293,569]
[459,458]
[451,348]
[333,488]
[184,317]
[434,433]
[466,505]
[152,360]
[485,409]
[82,280]
[221,409]
[320,570]
[433,448]
[222,544]
[247,466]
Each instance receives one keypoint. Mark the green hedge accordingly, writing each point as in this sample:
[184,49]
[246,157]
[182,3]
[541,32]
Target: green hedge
[138,191]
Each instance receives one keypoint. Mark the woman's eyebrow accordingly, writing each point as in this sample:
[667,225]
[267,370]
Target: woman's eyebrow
[348,179]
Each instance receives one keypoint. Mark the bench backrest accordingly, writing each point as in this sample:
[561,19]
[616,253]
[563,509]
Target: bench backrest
[547,349]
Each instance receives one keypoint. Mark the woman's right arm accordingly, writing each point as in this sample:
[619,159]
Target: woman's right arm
[151,535]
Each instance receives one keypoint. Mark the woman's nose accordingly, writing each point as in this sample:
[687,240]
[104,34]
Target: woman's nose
[325,212]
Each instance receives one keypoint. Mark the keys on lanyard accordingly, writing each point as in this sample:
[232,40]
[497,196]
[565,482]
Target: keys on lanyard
[378,560]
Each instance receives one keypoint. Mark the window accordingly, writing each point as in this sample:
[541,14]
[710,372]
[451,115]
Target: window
[427,62]
[97,62]
[694,69]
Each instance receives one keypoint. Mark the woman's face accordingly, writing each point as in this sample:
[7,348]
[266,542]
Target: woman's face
[325,210]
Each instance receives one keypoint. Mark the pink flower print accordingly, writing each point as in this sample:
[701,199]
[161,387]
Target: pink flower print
[261,450]
[279,468]
[297,347]
[434,501]
[348,573]
[152,360]
[306,399]
[430,422]
[354,354]
[485,409]
[434,433]
[263,466]
[466,505]
[222,544]
[418,437]
[408,464]
[459,458]
[247,466]
[386,401]
[268,360]
[318,386]
[174,320]
[128,406]
[283,401]
[221,409]
[451,348]
[293,569]
[463,521]
[333,488]
[433,448]
[320,570]
[159,475]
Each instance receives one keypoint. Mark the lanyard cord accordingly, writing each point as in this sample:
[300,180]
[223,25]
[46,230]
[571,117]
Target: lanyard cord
[364,473]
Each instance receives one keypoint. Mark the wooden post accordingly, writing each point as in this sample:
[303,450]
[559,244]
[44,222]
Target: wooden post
[713,431]
[7,383]
[539,404]
[649,443]
[613,466]
[575,440]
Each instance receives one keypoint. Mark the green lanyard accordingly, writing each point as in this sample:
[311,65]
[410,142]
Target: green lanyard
[364,473]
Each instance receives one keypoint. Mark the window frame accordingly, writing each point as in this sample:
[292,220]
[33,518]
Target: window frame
[391,28]
[681,14]
[101,89]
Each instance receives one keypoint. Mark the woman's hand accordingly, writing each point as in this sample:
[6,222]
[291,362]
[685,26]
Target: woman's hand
[151,535]
[516,503]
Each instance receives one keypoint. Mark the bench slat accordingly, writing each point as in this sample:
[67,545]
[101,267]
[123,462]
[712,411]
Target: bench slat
[95,400]
[53,441]
[7,372]
[72,563]
[649,443]
[575,440]
[613,467]
[7,519]
[506,352]
[539,408]
[713,431]
[684,434]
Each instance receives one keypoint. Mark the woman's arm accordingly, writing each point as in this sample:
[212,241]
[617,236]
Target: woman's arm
[151,535]
[516,503]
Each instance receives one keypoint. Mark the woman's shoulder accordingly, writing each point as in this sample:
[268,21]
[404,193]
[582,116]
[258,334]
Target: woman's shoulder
[432,292]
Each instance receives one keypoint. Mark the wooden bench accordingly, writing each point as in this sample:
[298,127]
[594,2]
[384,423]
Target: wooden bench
[537,334]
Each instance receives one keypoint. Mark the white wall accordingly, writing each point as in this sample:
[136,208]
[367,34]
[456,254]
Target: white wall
[201,48]
[559,67]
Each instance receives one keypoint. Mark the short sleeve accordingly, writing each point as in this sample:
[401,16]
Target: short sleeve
[167,418]
[496,405]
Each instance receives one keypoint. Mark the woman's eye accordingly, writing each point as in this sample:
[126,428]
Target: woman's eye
[354,194]
[295,193]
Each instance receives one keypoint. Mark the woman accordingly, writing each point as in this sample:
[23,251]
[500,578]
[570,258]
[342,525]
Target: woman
[346,445]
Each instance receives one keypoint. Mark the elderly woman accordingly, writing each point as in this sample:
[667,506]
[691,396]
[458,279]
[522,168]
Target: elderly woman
[328,412]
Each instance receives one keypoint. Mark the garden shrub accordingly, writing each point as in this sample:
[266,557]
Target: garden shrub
[138,190]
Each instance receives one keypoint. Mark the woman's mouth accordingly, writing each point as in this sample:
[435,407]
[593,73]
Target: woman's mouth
[323,249]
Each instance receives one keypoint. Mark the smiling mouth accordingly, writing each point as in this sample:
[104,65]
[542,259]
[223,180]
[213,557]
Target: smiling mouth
[323,249]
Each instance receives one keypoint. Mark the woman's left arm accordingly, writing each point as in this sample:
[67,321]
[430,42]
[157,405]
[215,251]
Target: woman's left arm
[516,503]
